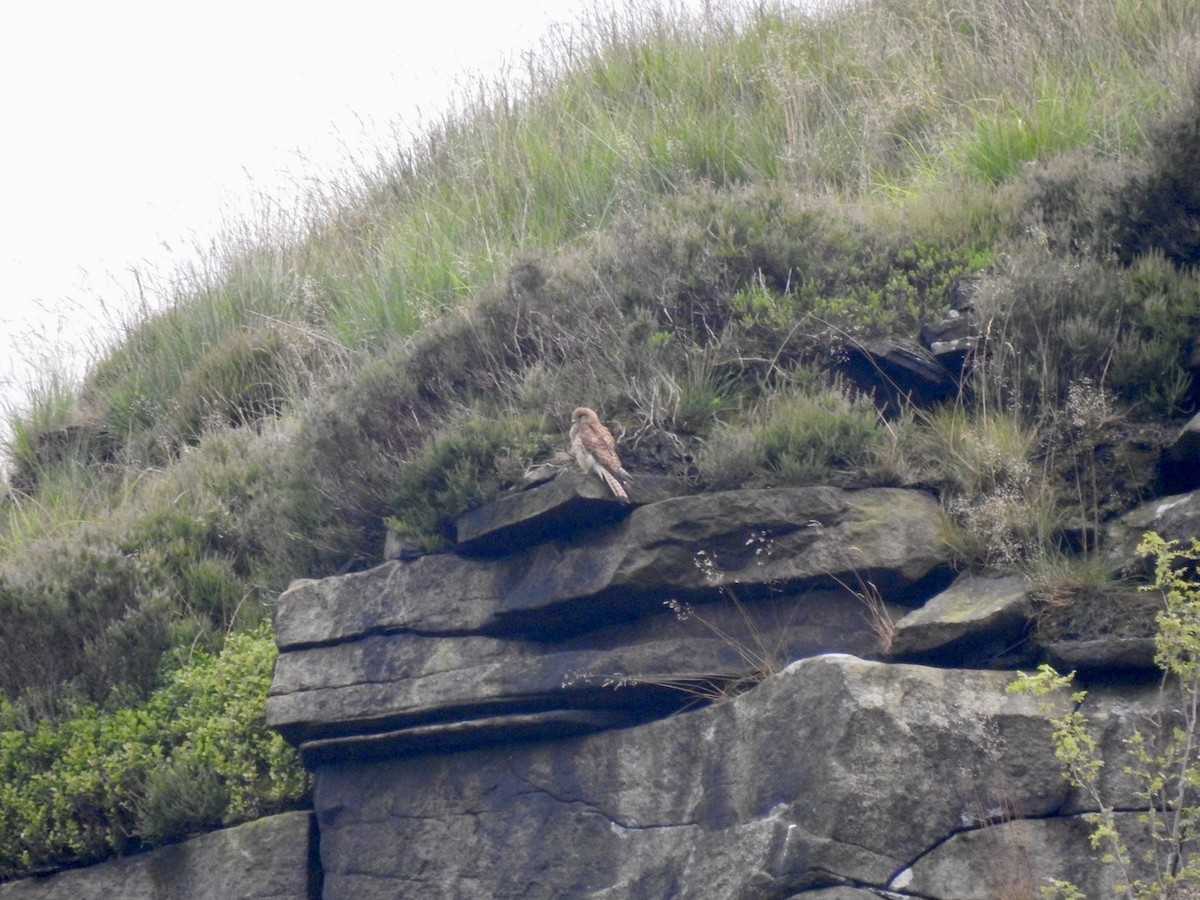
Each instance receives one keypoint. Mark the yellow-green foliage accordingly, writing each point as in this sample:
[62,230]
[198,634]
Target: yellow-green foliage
[104,783]
[1166,762]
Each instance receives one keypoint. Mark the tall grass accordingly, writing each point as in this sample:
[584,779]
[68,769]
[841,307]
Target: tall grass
[633,104]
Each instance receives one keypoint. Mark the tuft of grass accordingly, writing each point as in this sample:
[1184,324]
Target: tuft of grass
[796,438]
[251,375]
[1002,141]
[1000,509]
[468,462]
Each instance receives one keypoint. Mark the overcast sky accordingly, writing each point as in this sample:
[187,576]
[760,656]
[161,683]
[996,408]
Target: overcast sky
[133,130]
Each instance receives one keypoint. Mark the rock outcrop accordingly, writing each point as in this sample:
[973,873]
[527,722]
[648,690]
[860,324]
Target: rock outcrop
[575,633]
[268,859]
[754,694]
[836,771]
[693,697]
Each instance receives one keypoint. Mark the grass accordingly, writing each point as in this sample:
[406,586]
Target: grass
[635,105]
[680,219]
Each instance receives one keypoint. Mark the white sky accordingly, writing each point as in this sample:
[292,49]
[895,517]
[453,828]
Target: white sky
[131,131]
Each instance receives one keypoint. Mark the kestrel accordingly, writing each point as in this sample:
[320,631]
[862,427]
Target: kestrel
[594,449]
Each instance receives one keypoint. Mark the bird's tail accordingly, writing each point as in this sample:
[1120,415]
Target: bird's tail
[613,485]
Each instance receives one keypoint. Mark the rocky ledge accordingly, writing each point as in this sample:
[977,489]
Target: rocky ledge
[758,693]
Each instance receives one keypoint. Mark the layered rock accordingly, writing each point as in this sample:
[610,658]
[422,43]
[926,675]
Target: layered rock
[456,644]
[269,859]
[837,771]
[691,698]
[975,619]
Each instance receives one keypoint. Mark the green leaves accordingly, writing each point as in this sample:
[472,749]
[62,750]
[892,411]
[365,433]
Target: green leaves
[1166,761]
[194,755]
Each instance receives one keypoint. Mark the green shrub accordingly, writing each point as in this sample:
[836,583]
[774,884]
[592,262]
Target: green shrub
[1156,211]
[1000,506]
[1129,208]
[805,437]
[181,798]
[56,605]
[1053,321]
[181,555]
[194,754]
[790,271]
[346,453]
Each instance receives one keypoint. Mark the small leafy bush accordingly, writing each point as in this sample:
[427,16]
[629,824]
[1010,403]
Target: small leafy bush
[790,272]
[194,754]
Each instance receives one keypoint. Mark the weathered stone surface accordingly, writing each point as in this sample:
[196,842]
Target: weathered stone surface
[1114,713]
[1179,466]
[458,641]
[503,725]
[449,737]
[1015,858]
[554,509]
[898,372]
[952,339]
[1016,849]
[835,772]
[1176,517]
[975,619]
[385,682]
[1111,653]
[763,539]
[267,859]
[437,594]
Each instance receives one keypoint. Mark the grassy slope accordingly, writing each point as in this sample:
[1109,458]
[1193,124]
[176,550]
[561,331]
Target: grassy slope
[677,221]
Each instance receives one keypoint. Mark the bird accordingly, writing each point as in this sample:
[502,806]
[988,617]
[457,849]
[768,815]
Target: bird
[595,450]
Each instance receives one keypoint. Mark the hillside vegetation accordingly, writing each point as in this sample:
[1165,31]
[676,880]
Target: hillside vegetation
[683,222]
